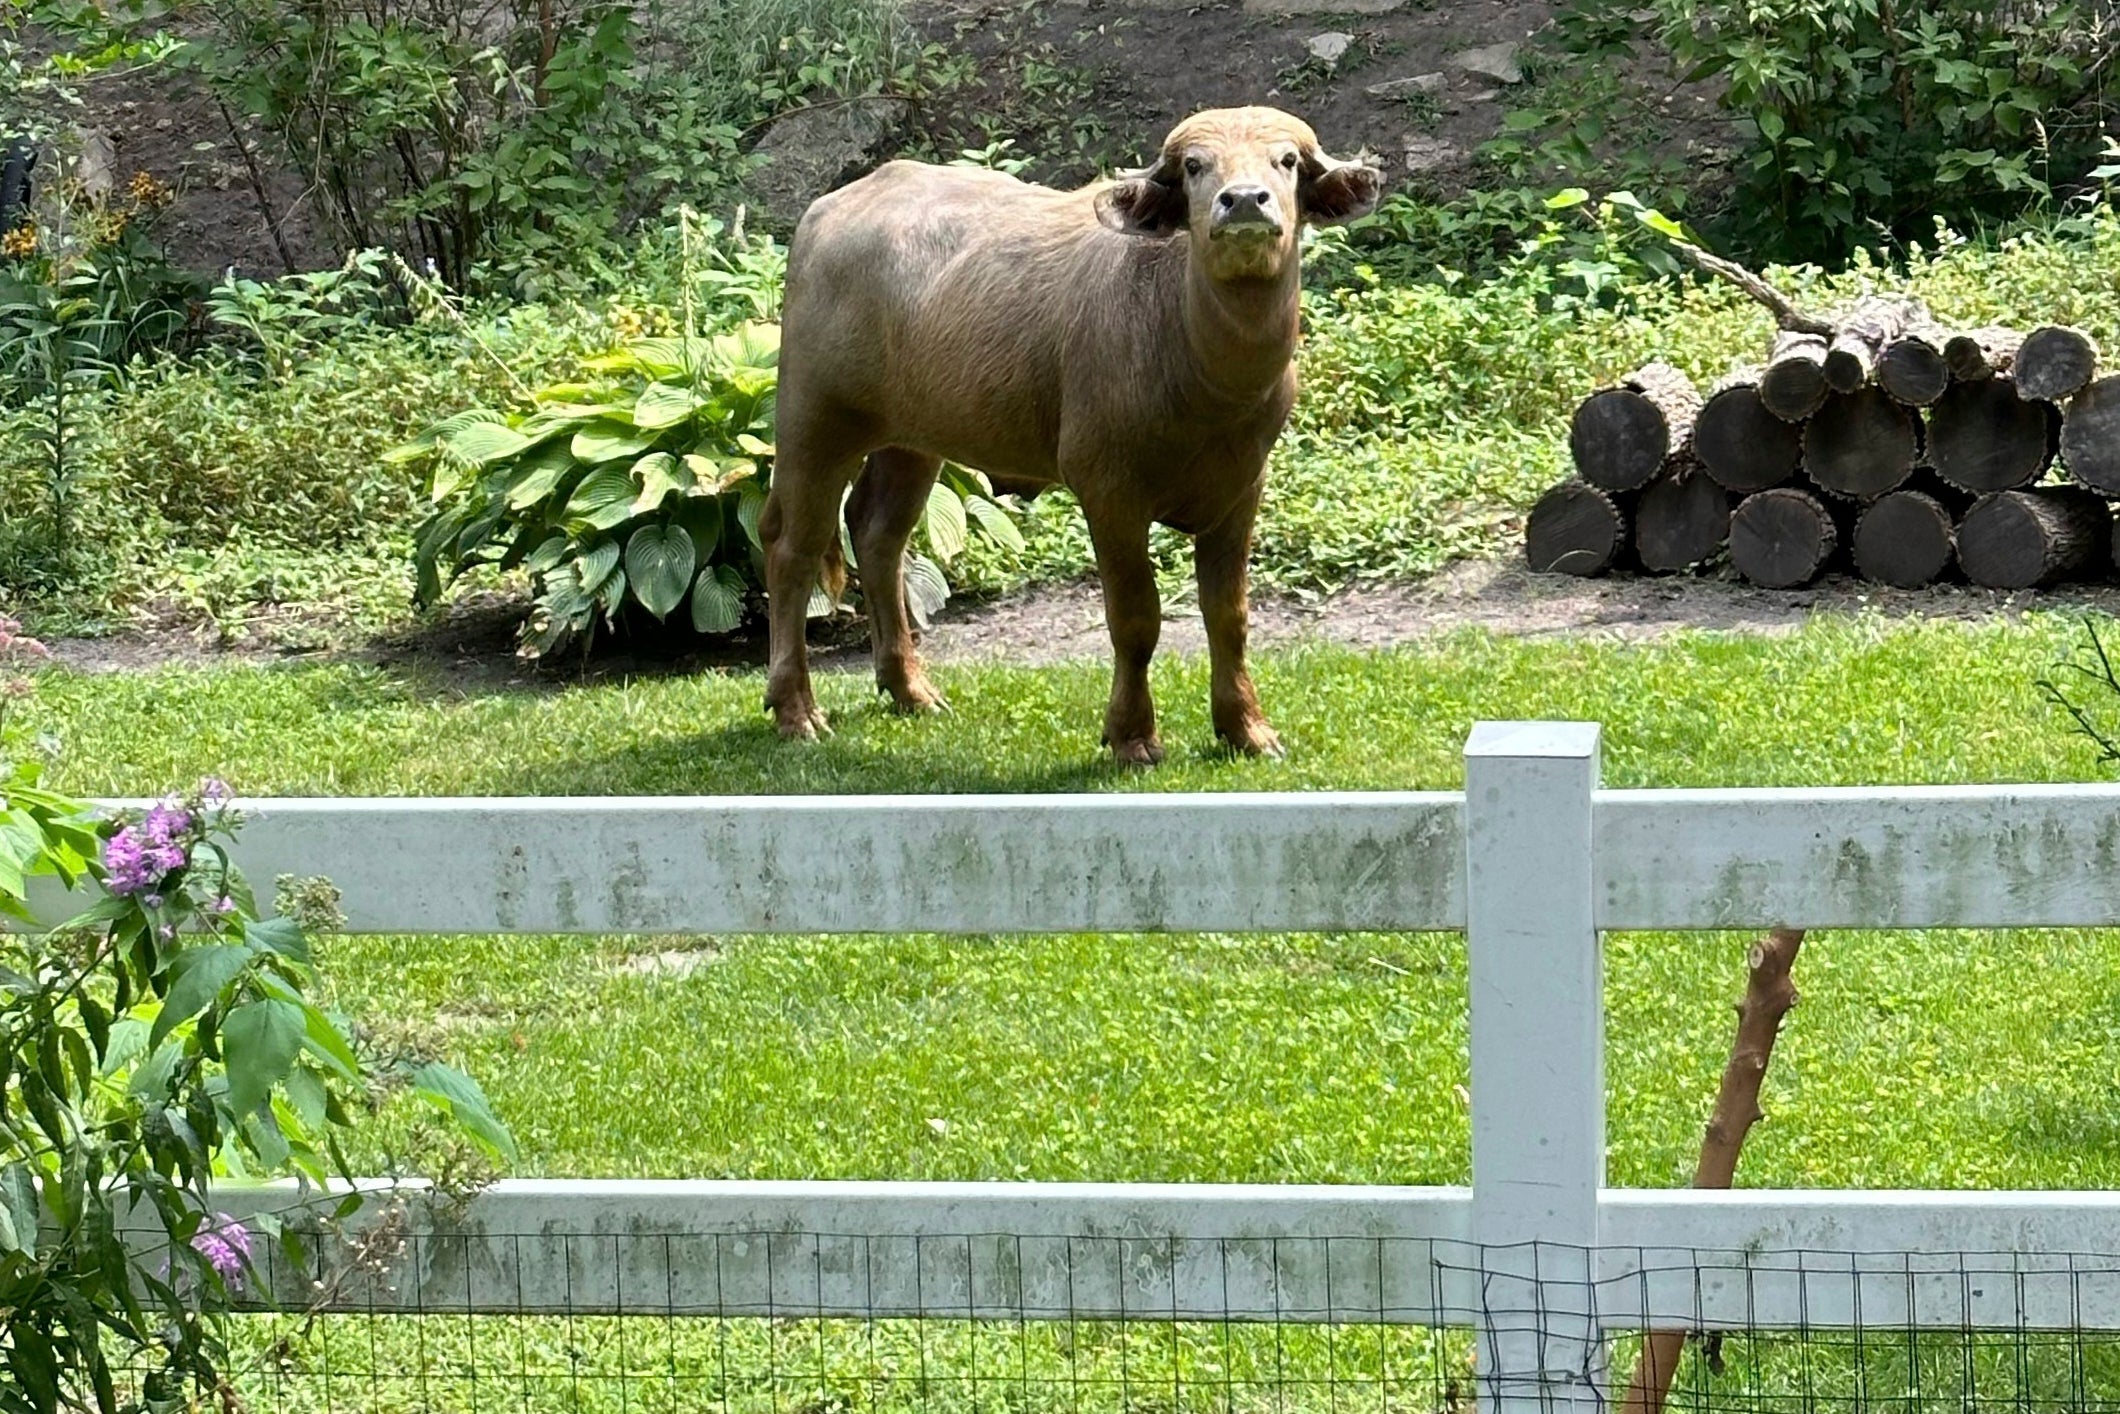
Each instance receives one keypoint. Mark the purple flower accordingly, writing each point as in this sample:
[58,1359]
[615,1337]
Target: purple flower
[136,859]
[214,791]
[225,1244]
[167,821]
[224,904]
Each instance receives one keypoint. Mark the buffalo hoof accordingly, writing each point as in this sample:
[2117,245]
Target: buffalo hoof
[801,721]
[1140,751]
[1255,739]
[916,697]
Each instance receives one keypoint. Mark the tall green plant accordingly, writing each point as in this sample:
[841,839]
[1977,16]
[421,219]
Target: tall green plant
[1857,118]
[161,1039]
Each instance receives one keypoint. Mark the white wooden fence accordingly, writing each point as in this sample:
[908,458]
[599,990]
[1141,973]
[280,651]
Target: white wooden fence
[1532,860]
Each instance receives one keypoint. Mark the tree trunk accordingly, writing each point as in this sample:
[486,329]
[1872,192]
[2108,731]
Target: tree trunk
[2090,436]
[1981,353]
[1861,444]
[2027,539]
[1904,540]
[1770,994]
[1623,436]
[2054,362]
[1743,446]
[1782,538]
[1983,437]
[1794,383]
[1681,521]
[1574,529]
[1912,370]
[1865,328]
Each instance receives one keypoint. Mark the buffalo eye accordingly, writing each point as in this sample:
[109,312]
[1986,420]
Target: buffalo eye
[1288,160]
[1192,166]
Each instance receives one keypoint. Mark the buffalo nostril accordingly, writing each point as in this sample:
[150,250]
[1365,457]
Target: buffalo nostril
[1229,200]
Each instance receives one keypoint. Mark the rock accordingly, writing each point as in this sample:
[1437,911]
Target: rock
[805,155]
[1322,7]
[1414,87]
[1330,47]
[1430,154]
[1494,61]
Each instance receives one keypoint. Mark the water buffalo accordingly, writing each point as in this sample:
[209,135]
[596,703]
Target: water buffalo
[1130,340]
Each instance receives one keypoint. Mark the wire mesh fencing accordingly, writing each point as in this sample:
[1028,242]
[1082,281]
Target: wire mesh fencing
[782,1322]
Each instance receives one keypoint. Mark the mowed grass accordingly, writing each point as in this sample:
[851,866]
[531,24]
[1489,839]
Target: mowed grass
[1946,1060]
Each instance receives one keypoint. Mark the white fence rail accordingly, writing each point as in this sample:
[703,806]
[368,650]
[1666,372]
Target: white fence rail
[1532,860]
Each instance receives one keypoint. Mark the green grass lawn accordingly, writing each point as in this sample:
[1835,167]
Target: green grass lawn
[1943,1060]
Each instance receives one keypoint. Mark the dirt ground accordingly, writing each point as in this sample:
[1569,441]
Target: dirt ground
[471,645]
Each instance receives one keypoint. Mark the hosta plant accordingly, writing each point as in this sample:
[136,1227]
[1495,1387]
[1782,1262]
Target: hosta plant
[639,489]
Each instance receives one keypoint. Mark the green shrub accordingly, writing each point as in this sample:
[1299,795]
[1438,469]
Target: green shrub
[641,488]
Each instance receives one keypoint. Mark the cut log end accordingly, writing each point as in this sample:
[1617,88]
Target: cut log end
[2054,362]
[2090,436]
[1904,540]
[1574,529]
[1983,437]
[1619,439]
[1742,445]
[1861,444]
[1680,522]
[2029,539]
[1782,538]
[1913,371]
[1793,384]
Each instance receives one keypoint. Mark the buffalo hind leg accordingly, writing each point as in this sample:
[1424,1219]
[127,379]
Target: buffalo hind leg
[1221,561]
[889,498]
[799,525]
[1133,614]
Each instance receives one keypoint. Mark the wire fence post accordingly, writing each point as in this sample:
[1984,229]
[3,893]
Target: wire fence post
[1538,1074]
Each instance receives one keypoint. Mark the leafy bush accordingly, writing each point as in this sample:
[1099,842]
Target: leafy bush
[1858,120]
[644,487]
[156,1042]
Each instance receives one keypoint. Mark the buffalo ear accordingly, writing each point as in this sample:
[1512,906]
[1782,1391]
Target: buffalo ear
[1142,206]
[1335,192]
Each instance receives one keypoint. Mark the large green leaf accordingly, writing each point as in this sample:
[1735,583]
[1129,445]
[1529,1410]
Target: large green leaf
[18,1210]
[538,475]
[927,589]
[717,600]
[607,440]
[946,529]
[750,505]
[659,562]
[427,440]
[598,563]
[460,1095]
[659,474]
[603,500]
[996,522]
[663,405]
[484,443]
[260,1041]
[202,973]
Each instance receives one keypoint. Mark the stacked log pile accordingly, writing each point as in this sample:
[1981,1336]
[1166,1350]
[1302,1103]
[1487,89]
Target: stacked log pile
[1872,440]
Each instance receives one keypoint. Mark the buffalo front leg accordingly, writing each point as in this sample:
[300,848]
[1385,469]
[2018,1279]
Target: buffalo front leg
[889,498]
[1133,614]
[1222,563]
[799,526]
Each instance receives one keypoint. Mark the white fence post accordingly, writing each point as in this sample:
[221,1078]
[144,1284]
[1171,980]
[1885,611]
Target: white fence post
[1538,1074]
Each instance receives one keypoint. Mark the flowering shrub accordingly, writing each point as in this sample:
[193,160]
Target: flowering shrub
[157,1041]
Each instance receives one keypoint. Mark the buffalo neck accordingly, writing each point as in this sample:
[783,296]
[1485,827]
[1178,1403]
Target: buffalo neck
[1240,333]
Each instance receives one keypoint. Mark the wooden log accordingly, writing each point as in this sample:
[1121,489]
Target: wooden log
[1782,538]
[2090,436]
[1681,521]
[1742,445]
[1769,997]
[1574,529]
[2054,362]
[1982,437]
[1912,369]
[1622,436]
[1793,384]
[1904,539]
[1863,331]
[1981,353]
[1861,444]
[2027,539]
